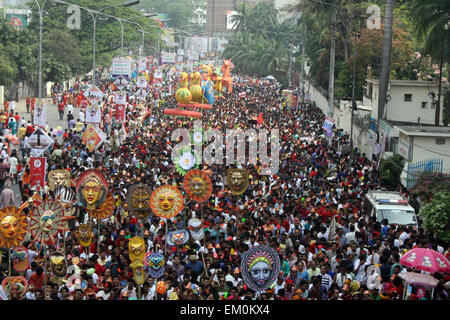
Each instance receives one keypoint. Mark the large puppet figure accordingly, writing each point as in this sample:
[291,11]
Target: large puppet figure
[227,80]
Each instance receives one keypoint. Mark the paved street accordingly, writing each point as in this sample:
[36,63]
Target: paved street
[52,121]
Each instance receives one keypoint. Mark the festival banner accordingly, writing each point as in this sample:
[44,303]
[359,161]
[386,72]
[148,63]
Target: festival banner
[120,112]
[93,114]
[141,82]
[94,95]
[120,97]
[121,66]
[91,138]
[40,115]
[37,171]
[168,57]
[328,124]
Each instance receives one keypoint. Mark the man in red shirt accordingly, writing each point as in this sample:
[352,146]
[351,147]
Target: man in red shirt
[61,110]
[37,278]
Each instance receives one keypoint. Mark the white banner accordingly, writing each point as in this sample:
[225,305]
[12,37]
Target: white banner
[93,114]
[40,115]
[141,82]
[120,97]
[168,57]
[121,66]
[94,95]
[158,74]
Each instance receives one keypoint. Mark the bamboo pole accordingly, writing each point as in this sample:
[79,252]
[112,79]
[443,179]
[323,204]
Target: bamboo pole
[9,274]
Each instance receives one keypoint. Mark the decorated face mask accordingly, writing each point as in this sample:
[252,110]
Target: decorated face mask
[155,263]
[136,247]
[46,220]
[138,272]
[237,180]
[19,284]
[260,267]
[58,178]
[58,264]
[138,200]
[196,229]
[85,235]
[177,238]
[166,201]
[198,185]
[20,258]
[92,189]
[13,224]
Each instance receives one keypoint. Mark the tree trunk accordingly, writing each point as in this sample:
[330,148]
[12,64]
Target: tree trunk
[385,59]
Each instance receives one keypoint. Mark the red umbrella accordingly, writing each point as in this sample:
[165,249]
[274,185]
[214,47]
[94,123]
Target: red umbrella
[426,260]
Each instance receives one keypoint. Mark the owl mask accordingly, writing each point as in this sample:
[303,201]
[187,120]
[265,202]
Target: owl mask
[136,247]
[58,264]
[85,235]
[177,238]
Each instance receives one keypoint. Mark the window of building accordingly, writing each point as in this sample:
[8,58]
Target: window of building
[440,141]
[408,97]
[424,105]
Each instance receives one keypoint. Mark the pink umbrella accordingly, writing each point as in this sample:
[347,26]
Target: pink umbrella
[426,260]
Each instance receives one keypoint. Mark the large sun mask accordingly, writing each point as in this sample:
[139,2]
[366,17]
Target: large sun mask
[166,201]
[198,185]
[13,224]
[237,180]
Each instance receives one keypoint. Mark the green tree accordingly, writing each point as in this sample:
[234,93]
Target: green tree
[436,215]
[390,170]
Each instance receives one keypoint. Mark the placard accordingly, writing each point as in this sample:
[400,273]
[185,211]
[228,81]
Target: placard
[40,115]
[121,66]
[168,57]
[120,97]
[94,95]
[37,171]
[93,114]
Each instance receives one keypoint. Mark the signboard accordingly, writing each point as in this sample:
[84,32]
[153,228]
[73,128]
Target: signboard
[94,95]
[37,171]
[168,57]
[120,113]
[141,82]
[328,124]
[180,52]
[40,115]
[91,138]
[93,114]
[230,22]
[17,17]
[121,66]
[404,145]
[39,140]
[120,97]
[120,82]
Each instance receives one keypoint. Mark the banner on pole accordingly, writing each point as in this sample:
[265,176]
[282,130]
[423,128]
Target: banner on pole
[120,97]
[121,66]
[37,171]
[120,112]
[40,115]
[93,114]
[91,138]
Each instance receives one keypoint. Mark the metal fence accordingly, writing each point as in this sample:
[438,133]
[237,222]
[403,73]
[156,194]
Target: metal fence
[414,169]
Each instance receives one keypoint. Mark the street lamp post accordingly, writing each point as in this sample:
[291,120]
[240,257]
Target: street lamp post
[40,8]
[126,4]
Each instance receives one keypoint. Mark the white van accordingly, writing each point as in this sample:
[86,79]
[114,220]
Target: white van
[389,205]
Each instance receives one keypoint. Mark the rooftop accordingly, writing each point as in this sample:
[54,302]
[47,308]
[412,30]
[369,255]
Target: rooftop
[430,131]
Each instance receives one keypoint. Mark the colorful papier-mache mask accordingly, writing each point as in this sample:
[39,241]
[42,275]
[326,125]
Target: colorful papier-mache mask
[237,180]
[85,235]
[196,229]
[20,258]
[58,264]
[13,227]
[155,263]
[67,198]
[166,201]
[138,200]
[46,220]
[177,238]
[18,284]
[136,248]
[138,271]
[198,185]
[92,189]
[260,267]
[58,178]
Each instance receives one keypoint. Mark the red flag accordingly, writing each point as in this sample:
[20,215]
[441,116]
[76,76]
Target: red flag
[260,118]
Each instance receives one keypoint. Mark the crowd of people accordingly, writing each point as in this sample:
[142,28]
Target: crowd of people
[291,211]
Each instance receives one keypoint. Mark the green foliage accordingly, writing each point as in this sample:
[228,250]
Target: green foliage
[436,215]
[390,170]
